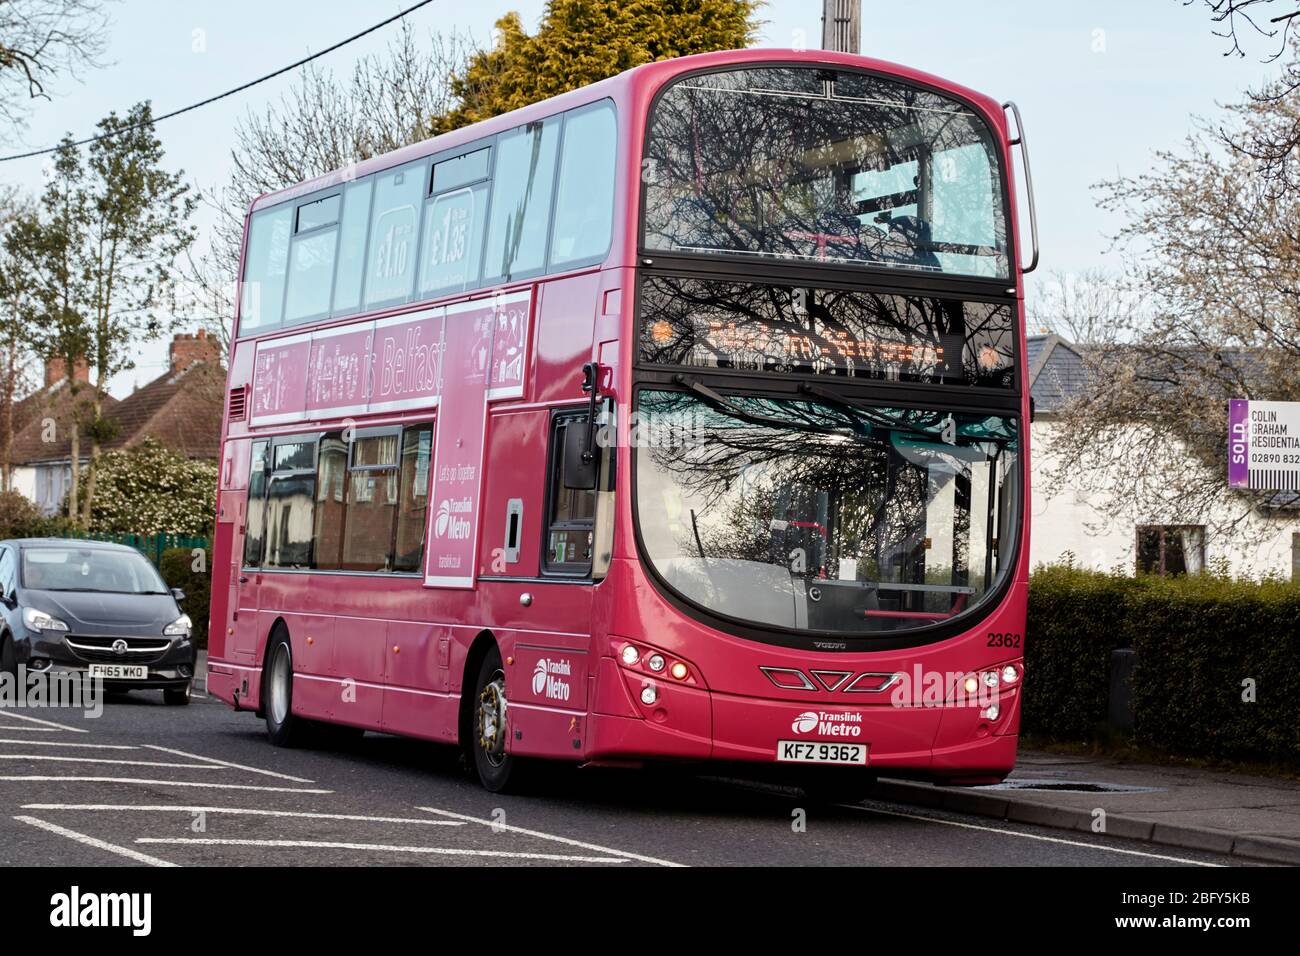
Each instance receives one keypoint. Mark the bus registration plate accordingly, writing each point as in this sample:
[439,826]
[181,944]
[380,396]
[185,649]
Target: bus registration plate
[811,751]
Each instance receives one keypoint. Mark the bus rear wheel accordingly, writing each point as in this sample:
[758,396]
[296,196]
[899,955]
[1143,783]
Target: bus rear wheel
[282,727]
[497,770]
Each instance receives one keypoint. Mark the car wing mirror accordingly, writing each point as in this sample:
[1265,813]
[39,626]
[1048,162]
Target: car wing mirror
[178,594]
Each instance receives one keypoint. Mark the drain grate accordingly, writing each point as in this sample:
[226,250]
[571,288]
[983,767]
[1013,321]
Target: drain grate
[1070,786]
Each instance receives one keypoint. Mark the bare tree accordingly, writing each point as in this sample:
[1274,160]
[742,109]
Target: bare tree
[1090,307]
[1263,19]
[15,319]
[1214,253]
[41,40]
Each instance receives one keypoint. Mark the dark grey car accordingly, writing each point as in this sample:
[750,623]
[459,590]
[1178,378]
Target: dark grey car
[96,608]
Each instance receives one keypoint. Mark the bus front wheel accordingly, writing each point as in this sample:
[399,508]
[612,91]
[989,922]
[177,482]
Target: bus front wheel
[497,770]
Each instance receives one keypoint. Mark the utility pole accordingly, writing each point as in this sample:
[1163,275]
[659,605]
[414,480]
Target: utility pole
[841,25]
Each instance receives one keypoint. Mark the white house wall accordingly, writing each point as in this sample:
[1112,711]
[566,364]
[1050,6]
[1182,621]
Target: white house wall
[1075,523]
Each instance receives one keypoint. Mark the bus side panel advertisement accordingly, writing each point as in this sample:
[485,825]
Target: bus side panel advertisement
[338,379]
[405,361]
[280,380]
[458,450]
[510,346]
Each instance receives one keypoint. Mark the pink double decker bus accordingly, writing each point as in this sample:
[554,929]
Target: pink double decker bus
[681,417]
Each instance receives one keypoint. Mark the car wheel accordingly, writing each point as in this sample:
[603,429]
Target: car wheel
[497,770]
[8,655]
[177,696]
[282,727]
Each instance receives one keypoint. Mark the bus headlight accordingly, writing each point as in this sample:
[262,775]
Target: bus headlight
[1009,674]
[990,678]
[656,662]
[630,655]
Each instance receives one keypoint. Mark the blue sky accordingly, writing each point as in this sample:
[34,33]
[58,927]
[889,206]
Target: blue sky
[1101,85]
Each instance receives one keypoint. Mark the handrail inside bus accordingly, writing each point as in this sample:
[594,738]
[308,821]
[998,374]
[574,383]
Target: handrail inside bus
[1019,140]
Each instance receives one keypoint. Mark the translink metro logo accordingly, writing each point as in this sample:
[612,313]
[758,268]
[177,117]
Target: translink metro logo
[843,724]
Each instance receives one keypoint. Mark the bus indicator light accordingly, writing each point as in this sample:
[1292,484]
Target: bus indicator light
[679,670]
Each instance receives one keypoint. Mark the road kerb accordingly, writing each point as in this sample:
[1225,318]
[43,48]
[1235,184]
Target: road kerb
[1072,818]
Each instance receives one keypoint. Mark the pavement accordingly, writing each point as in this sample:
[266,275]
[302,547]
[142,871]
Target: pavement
[1251,817]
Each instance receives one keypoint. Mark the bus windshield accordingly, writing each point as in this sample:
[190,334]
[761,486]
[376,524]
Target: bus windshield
[819,165]
[825,515]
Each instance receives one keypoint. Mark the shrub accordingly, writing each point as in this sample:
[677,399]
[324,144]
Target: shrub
[1198,639]
[146,489]
[1203,643]
[1076,618]
[178,570]
[20,518]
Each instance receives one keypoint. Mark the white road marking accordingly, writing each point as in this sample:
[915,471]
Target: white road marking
[549,836]
[124,763]
[92,841]
[379,847]
[1027,836]
[64,743]
[247,811]
[160,783]
[226,763]
[49,724]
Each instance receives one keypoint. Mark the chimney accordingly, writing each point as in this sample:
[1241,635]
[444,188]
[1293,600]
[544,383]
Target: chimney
[187,349]
[56,370]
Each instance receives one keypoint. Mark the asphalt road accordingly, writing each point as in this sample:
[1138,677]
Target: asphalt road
[200,785]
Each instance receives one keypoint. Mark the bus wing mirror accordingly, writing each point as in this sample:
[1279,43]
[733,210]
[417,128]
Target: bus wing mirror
[579,463]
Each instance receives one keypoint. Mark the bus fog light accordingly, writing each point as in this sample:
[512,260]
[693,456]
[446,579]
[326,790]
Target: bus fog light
[648,694]
[630,655]
[971,684]
[990,678]
[1009,674]
[992,712]
[679,670]
[656,662]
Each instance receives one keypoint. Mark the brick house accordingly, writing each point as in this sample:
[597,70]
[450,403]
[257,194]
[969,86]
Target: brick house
[181,409]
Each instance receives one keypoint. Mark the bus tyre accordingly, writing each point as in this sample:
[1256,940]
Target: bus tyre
[826,789]
[282,727]
[177,696]
[497,770]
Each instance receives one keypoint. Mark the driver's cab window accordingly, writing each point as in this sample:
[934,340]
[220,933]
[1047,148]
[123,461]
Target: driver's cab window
[255,525]
[571,512]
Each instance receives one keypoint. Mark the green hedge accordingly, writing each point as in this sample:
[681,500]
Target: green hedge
[177,567]
[1198,639]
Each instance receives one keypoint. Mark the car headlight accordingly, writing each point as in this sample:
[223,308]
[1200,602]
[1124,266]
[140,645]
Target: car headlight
[40,621]
[179,627]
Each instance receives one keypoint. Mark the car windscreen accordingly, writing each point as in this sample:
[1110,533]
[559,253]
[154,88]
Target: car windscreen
[89,569]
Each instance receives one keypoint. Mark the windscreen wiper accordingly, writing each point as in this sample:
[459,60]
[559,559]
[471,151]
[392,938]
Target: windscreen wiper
[872,415]
[728,407]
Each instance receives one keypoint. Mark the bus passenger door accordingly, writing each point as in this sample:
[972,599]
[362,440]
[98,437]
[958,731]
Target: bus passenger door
[245,571]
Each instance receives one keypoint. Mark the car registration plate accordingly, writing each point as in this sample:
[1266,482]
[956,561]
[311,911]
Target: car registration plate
[816,751]
[120,671]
